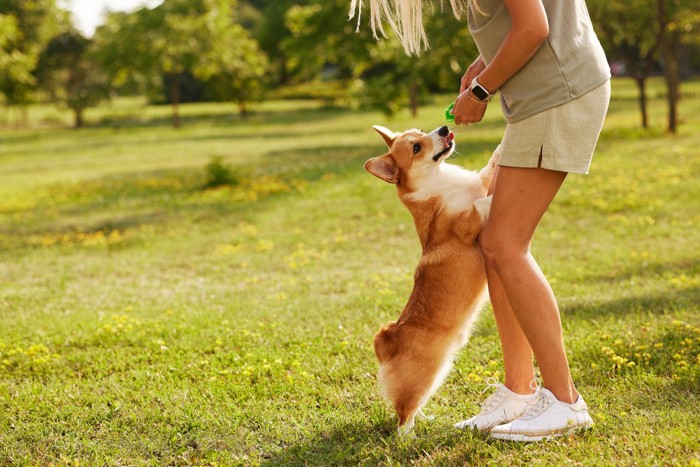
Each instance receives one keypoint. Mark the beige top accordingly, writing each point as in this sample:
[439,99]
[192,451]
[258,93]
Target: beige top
[570,63]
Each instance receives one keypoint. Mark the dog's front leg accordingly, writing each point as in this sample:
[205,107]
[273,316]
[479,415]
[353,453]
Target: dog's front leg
[487,172]
[472,221]
[483,206]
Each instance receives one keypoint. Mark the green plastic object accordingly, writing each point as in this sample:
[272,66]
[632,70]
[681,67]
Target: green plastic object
[448,116]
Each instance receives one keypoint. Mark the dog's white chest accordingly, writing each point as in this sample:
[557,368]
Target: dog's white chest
[457,187]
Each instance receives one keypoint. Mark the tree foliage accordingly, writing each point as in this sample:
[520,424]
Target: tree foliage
[182,38]
[678,24]
[237,73]
[70,75]
[382,75]
[236,50]
[632,40]
[26,27]
[16,79]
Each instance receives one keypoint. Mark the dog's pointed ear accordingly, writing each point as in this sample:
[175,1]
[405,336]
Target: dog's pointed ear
[383,167]
[388,135]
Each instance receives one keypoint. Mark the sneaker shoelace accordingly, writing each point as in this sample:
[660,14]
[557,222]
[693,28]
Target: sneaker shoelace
[539,404]
[494,399]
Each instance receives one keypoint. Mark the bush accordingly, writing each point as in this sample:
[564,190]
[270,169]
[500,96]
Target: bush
[220,174]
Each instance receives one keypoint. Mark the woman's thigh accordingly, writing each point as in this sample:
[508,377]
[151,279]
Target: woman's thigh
[520,198]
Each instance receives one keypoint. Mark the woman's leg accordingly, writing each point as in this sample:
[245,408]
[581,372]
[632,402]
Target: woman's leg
[518,287]
[517,353]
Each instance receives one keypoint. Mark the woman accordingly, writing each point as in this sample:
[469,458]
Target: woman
[553,78]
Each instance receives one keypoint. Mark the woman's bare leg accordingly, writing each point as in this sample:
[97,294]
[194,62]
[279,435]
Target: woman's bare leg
[517,353]
[518,286]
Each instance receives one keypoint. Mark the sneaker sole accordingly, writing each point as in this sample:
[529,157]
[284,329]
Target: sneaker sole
[540,436]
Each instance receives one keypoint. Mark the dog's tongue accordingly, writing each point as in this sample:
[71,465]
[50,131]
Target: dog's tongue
[450,137]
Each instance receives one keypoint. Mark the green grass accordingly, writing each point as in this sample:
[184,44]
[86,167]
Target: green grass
[146,320]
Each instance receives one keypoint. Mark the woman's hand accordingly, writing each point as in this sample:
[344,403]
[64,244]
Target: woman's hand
[466,109]
[473,71]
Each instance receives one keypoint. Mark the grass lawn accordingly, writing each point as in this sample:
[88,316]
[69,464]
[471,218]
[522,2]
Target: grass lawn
[149,321]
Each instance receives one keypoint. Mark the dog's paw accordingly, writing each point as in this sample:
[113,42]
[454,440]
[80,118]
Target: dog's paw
[493,162]
[483,205]
[487,172]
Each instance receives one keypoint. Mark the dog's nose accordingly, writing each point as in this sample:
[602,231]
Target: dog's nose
[444,131]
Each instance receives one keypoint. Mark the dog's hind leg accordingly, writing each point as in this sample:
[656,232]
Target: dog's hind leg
[407,416]
[417,389]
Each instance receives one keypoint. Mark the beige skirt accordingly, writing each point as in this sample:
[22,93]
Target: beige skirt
[561,138]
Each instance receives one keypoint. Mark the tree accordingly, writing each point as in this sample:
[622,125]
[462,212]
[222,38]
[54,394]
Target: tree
[177,36]
[16,79]
[271,32]
[160,44]
[235,73]
[70,75]
[121,50]
[26,26]
[383,76]
[183,38]
[631,38]
[678,24]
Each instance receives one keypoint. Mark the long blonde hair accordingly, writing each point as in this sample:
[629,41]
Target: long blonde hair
[405,17]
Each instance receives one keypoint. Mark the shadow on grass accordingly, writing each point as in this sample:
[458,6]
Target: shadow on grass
[376,443]
[340,445]
[311,114]
[163,198]
[668,299]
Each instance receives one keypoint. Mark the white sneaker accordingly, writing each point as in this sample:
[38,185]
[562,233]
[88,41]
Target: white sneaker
[545,418]
[502,406]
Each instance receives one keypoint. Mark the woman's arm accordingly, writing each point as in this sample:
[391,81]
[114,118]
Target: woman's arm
[528,31]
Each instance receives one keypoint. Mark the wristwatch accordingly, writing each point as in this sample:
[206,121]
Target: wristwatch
[479,91]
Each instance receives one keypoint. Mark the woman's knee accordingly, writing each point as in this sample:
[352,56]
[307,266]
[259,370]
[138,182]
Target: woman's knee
[500,248]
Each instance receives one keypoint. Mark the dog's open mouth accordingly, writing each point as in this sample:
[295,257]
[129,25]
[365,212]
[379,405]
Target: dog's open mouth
[449,147]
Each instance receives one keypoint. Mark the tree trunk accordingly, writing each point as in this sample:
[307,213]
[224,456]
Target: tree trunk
[175,98]
[673,84]
[24,112]
[641,85]
[78,122]
[243,110]
[668,52]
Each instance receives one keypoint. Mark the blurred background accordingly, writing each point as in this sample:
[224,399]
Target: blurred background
[193,261]
[78,54]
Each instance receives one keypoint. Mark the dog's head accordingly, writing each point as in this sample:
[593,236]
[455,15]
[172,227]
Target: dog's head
[413,156]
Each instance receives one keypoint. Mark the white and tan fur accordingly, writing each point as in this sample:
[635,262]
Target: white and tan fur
[449,208]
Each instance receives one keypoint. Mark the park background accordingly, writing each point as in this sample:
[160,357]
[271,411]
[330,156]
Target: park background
[193,261]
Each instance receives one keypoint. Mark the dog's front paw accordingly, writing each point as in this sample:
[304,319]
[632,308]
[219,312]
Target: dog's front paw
[487,172]
[494,157]
[483,205]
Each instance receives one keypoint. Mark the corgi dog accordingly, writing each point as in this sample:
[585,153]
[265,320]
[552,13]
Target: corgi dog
[449,208]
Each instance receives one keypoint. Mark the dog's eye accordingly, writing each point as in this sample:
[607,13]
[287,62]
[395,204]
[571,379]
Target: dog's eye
[416,148]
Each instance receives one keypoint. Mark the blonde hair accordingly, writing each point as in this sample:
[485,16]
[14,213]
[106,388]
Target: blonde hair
[405,17]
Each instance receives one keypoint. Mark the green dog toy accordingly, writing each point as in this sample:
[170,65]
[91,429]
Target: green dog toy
[448,116]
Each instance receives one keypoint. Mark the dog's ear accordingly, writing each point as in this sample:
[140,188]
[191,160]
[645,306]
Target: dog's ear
[388,135]
[383,167]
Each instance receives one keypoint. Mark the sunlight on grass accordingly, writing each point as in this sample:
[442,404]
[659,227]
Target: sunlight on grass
[150,320]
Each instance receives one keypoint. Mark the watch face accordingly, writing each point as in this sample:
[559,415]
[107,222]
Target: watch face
[480,93]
